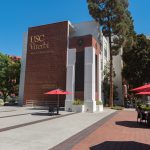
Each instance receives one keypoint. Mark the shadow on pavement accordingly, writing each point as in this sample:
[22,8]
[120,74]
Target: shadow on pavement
[37,108]
[7,110]
[121,145]
[45,114]
[44,108]
[132,124]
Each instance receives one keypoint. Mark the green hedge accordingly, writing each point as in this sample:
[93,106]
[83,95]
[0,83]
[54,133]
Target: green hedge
[117,107]
[99,102]
[145,108]
[77,102]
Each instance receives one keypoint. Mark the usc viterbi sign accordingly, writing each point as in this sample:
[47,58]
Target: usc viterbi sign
[38,42]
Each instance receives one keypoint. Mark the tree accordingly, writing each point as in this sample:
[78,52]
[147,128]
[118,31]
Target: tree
[106,85]
[115,19]
[137,62]
[9,75]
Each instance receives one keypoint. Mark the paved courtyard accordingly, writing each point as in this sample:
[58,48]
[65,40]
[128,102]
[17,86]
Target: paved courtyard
[24,128]
[121,132]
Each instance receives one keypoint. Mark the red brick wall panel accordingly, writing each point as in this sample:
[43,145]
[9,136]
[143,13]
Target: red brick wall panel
[46,62]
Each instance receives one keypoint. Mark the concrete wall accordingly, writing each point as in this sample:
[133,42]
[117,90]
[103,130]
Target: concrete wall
[23,69]
[89,80]
[70,82]
[104,60]
[85,28]
[118,65]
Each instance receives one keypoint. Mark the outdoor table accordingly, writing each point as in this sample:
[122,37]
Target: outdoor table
[58,92]
[52,109]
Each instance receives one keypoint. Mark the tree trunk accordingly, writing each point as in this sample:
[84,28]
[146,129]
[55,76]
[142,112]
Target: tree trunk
[111,74]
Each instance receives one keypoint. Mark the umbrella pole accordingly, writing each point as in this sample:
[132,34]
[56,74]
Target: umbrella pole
[58,101]
[58,105]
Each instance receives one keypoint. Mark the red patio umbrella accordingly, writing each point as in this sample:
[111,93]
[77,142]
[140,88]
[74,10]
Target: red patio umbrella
[143,93]
[144,88]
[58,92]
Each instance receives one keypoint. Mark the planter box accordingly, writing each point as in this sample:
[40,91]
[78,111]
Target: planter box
[78,108]
[99,108]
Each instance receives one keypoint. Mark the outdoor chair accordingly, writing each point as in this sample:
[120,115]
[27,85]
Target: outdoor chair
[143,117]
[51,110]
[148,119]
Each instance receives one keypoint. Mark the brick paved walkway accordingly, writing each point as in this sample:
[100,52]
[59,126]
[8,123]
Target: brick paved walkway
[121,132]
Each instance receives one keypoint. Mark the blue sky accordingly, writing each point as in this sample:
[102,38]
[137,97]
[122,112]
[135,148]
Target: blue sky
[17,15]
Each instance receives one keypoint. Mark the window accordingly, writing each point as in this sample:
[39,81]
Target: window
[79,71]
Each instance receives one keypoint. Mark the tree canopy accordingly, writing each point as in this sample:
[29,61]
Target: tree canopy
[115,22]
[137,62]
[114,19]
[9,75]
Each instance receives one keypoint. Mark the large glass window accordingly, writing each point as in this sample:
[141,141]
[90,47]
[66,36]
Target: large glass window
[79,71]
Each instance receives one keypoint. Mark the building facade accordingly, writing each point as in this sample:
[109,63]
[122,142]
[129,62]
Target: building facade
[66,56]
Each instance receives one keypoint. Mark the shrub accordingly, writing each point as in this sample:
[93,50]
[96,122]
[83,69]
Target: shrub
[99,102]
[78,102]
[1,102]
[145,108]
[8,99]
[117,107]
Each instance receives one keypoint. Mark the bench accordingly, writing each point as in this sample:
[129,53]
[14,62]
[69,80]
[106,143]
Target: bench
[31,103]
[36,103]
